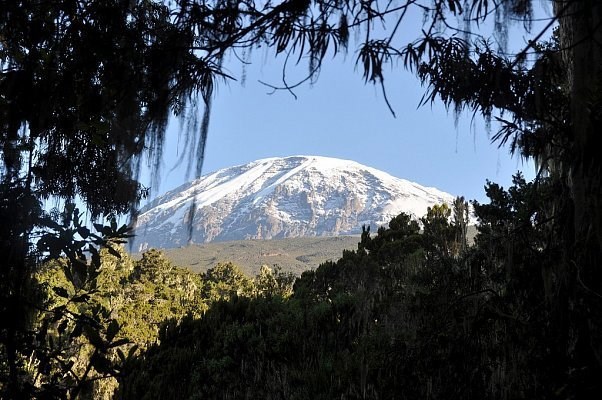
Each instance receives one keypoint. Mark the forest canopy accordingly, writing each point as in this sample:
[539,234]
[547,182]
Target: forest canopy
[407,315]
[86,89]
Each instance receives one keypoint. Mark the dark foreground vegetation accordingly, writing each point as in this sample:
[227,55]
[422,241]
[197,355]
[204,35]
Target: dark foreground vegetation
[407,315]
[86,90]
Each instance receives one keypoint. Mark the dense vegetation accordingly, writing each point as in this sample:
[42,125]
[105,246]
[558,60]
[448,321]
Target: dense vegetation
[407,315]
[130,302]
[86,88]
[414,312]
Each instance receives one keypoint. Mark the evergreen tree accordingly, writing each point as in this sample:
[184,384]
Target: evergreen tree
[86,88]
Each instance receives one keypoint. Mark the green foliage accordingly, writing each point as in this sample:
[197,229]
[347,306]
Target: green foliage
[439,234]
[125,311]
[96,332]
[273,282]
[408,315]
[38,360]
[226,281]
[86,88]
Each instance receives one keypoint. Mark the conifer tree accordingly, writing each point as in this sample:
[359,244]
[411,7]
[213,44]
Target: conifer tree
[86,89]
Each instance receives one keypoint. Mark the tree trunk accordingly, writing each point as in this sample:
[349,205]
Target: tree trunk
[581,41]
[581,44]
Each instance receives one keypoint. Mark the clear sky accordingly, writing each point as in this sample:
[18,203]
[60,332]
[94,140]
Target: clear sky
[340,116]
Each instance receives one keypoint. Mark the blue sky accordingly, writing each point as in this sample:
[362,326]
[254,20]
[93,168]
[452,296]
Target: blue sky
[341,116]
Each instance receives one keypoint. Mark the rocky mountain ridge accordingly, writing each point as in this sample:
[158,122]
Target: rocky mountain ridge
[298,196]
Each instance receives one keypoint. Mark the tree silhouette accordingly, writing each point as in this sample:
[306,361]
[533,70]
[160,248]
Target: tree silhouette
[86,89]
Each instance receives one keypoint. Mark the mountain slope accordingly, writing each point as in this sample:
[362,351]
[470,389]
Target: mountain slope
[291,254]
[281,197]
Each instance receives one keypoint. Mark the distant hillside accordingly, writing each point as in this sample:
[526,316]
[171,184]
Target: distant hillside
[293,254]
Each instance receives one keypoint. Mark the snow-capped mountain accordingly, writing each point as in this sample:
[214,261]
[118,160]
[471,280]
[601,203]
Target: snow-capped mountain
[281,197]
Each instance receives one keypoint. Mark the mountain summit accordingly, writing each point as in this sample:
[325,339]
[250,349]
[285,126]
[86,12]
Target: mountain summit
[281,197]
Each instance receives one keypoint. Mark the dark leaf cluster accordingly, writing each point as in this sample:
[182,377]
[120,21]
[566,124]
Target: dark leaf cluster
[408,315]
